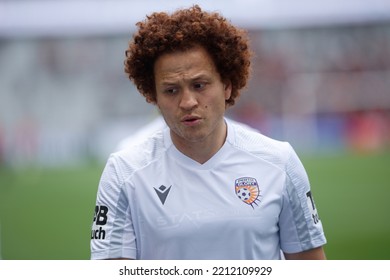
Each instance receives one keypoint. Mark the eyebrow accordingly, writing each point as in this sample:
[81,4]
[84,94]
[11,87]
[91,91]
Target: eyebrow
[201,76]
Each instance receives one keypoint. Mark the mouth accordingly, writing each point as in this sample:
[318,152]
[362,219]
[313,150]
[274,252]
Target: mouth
[190,120]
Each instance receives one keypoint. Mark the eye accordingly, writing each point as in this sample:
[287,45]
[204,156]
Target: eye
[199,86]
[170,90]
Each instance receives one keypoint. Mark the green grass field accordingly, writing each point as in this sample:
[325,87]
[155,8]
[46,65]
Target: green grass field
[47,213]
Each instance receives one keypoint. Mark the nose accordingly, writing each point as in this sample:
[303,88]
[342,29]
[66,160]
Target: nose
[188,100]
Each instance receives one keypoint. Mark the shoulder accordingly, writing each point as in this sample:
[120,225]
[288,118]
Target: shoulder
[137,155]
[259,145]
[280,154]
[140,135]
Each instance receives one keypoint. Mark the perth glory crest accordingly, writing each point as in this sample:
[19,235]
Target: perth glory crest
[247,190]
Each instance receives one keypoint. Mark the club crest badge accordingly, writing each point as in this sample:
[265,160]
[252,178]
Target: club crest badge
[247,189]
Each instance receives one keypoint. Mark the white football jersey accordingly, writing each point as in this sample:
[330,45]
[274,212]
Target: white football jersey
[251,200]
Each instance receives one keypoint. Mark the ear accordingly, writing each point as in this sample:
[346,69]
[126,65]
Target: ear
[228,89]
[151,100]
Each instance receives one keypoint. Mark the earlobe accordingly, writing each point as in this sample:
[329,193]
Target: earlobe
[150,100]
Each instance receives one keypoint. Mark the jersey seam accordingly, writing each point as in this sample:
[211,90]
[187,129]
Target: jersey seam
[301,241]
[253,154]
[135,170]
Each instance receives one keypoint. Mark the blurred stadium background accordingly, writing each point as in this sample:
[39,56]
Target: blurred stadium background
[321,80]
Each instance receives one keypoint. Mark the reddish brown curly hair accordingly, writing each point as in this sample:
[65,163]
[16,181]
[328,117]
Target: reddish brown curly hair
[161,33]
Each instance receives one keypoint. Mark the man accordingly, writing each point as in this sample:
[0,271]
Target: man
[204,187]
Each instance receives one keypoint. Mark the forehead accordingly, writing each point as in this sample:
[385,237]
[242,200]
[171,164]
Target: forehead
[193,61]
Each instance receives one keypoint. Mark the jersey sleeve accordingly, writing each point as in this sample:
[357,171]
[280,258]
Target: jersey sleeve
[112,233]
[300,226]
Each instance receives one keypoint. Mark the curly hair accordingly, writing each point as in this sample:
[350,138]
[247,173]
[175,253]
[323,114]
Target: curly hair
[162,33]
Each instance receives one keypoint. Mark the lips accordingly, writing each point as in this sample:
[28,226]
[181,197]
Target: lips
[190,120]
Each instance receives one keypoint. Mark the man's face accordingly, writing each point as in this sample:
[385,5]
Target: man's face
[191,96]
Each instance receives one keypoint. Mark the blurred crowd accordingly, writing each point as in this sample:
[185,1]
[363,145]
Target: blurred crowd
[322,88]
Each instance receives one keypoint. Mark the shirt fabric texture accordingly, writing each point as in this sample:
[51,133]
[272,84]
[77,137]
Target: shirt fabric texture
[251,200]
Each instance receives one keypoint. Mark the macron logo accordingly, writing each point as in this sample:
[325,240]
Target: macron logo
[162,193]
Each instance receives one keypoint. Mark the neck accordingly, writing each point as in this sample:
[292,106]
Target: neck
[203,150]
